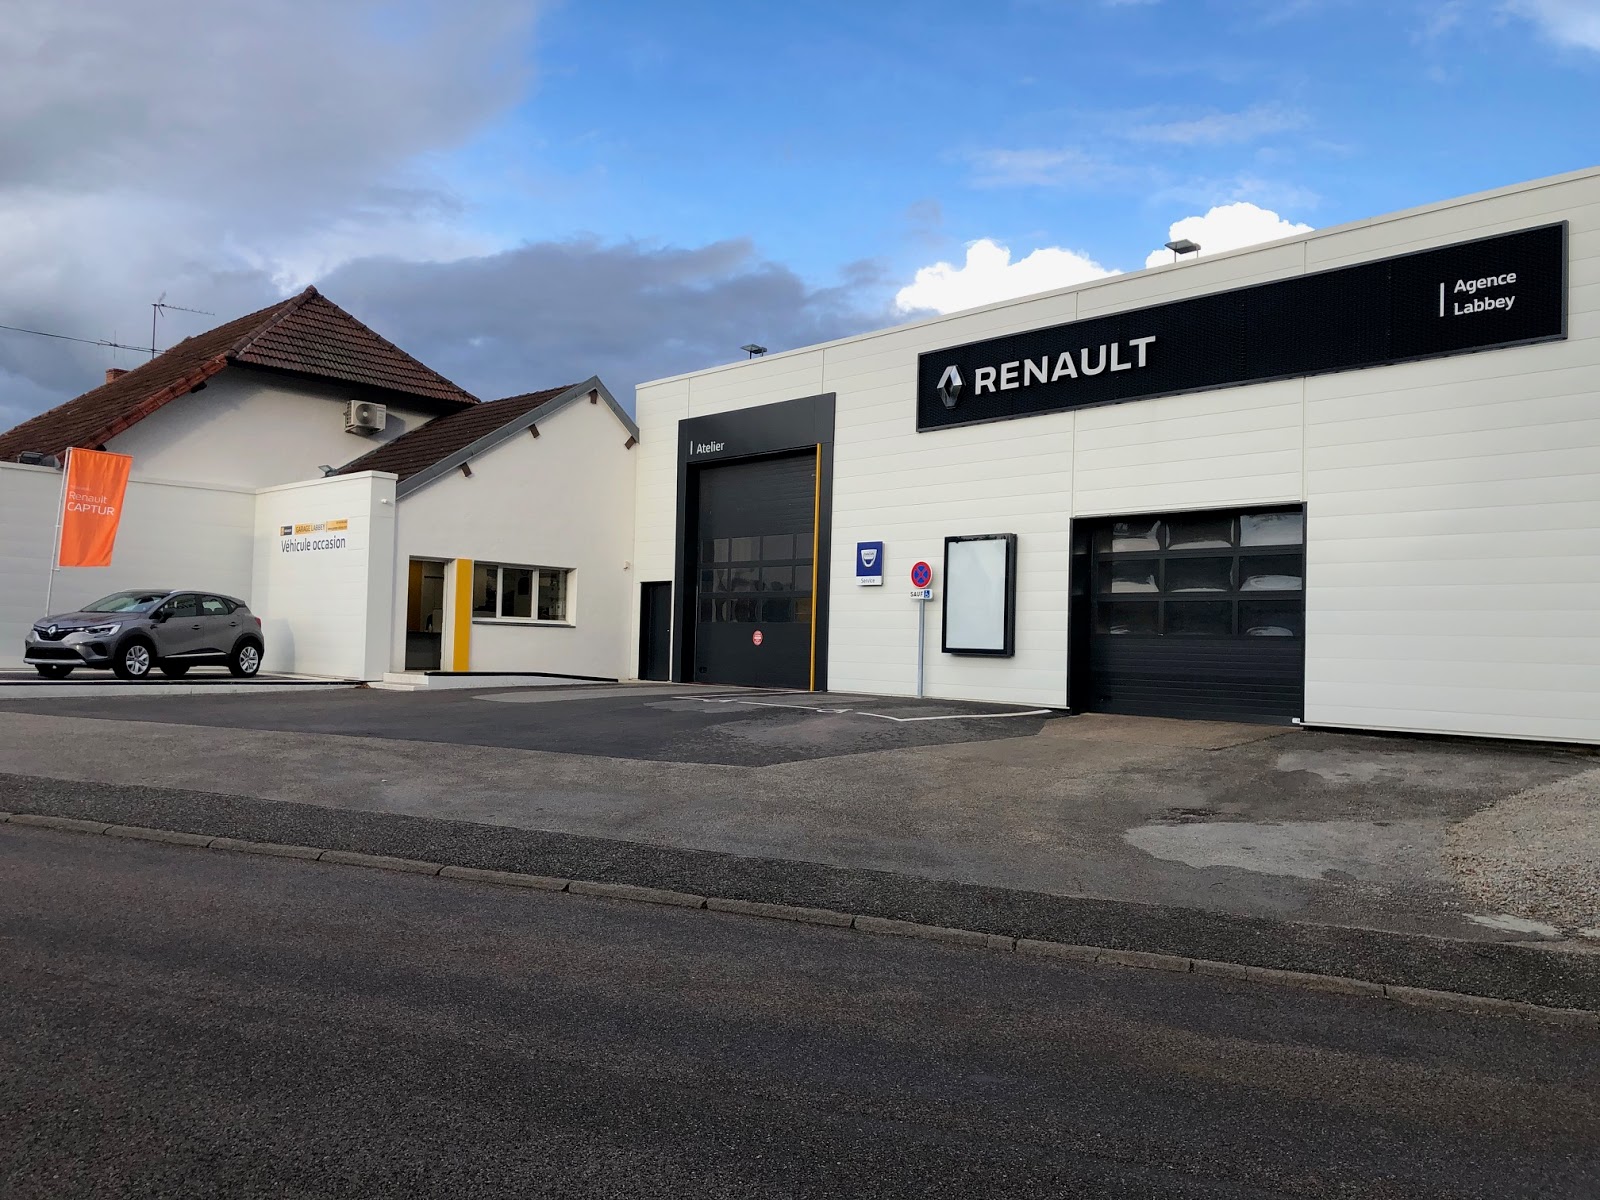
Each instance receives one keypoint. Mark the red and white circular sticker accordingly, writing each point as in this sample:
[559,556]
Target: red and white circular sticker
[757,638]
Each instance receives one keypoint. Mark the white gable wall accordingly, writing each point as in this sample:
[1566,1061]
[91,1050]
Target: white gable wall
[254,429]
[564,499]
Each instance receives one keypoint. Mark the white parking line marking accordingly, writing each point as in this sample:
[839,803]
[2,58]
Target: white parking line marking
[1031,712]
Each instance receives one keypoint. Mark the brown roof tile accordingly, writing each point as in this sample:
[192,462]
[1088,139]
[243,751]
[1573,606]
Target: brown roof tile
[443,436]
[306,334]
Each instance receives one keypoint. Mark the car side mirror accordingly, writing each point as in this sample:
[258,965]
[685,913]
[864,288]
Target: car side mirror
[159,616]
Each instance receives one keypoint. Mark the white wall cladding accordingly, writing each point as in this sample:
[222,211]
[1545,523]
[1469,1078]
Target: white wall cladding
[254,429]
[574,500]
[326,611]
[1454,512]
[171,535]
[1453,505]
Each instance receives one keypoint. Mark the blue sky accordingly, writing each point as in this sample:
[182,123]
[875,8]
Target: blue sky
[548,190]
[833,133]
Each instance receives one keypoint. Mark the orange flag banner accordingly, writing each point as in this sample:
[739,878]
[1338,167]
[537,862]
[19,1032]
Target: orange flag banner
[91,507]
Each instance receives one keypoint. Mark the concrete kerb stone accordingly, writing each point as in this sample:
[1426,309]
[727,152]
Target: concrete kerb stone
[542,883]
[1146,960]
[381,862]
[171,837]
[68,824]
[628,891]
[1083,954]
[780,912]
[935,933]
[1142,959]
[275,849]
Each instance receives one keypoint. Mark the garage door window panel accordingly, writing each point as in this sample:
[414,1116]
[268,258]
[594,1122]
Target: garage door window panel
[1186,575]
[1198,618]
[1272,529]
[1270,573]
[1200,533]
[1125,618]
[1136,575]
[1125,537]
[1271,618]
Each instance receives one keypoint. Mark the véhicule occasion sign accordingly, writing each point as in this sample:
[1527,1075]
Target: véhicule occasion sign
[1486,294]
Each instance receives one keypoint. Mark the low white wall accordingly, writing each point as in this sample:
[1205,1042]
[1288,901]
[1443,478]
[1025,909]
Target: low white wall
[323,594]
[563,499]
[171,535]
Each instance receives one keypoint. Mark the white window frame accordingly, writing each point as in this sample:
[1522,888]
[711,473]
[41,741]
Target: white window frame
[567,621]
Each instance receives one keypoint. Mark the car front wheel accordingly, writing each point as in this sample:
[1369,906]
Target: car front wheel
[245,660]
[52,670]
[133,661]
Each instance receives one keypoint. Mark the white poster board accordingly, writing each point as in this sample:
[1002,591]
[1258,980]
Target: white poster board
[979,594]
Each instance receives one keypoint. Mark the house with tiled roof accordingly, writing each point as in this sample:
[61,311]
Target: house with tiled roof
[268,398]
[380,519]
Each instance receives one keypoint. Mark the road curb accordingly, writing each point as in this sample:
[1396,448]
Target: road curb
[543,883]
[1460,1002]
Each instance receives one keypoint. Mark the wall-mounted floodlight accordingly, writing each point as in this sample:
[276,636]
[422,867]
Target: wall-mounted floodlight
[753,350]
[1183,246]
[326,469]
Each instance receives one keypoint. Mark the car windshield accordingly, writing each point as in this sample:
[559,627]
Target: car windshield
[119,602]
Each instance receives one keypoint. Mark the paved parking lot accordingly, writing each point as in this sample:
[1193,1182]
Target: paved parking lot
[1395,833]
[660,723]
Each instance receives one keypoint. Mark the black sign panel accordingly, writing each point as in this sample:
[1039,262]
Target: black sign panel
[1481,295]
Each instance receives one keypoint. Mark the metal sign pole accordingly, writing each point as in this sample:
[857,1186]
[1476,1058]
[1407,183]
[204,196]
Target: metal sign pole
[922,609]
[55,546]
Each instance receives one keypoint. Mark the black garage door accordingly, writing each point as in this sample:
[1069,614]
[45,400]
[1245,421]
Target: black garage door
[1194,615]
[753,604]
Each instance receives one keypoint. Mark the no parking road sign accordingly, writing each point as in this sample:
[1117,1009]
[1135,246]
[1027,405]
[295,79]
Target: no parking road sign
[921,575]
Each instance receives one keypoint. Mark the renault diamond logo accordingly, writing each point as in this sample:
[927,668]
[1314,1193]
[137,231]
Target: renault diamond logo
[950,386]
[51,631]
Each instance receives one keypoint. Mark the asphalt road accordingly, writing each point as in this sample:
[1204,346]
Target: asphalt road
[188,1023]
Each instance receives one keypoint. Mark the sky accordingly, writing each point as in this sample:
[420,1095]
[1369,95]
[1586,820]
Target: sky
[524,194]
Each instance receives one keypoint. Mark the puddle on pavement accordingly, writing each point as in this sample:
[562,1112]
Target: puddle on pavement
[1318,850]
[1506,923]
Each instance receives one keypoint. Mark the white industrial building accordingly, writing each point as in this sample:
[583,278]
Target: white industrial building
[1350,478]
[1346,479]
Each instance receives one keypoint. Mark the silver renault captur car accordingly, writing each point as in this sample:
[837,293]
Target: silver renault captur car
[135,632]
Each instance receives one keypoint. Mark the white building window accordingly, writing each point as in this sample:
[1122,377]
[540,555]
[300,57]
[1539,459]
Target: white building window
[520,593]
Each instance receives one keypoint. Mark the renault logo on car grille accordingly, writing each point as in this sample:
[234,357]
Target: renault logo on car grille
[51,631]
[950,386]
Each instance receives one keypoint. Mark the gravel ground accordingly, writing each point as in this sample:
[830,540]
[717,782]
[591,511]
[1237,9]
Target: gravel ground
[1536,854]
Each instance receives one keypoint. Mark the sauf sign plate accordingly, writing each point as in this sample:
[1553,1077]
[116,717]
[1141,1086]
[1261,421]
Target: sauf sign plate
[1507,290]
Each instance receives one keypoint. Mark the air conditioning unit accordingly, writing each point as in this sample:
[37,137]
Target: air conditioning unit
[364,417]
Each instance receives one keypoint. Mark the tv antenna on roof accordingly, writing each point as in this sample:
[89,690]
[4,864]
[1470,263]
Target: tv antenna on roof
[161,306]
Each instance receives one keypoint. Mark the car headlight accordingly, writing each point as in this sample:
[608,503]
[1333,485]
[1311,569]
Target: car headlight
[100,630]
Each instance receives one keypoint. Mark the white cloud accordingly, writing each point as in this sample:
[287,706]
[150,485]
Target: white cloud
[989,275]
[1228,227]
[1040,168]
[1218,128]
[223,154]
[1566,22]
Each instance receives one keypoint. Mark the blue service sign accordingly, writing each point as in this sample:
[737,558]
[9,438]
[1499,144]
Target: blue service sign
[869,564]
